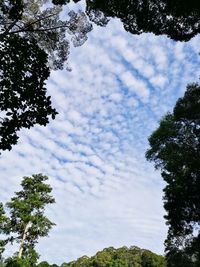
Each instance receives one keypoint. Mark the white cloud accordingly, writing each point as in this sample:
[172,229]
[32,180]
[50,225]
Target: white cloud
[135,85]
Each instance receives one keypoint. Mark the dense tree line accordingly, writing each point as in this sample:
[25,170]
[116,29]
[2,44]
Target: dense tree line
[122,257]
[111,257]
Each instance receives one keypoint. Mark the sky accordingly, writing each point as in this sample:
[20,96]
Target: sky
[106,193]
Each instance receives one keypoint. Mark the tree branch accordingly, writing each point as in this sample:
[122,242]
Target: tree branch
[27,25]
[34,30]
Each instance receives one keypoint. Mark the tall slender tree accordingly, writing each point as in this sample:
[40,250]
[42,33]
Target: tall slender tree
[27,220]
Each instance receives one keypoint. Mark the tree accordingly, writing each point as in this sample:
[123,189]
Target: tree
[27,220]
[178,19]
[175,149]
[33,40]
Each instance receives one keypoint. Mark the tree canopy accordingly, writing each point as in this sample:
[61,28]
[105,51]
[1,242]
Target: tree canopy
[175,149]
[121,257]
[178,19]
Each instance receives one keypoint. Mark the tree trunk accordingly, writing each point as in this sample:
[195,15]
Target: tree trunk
[21,247]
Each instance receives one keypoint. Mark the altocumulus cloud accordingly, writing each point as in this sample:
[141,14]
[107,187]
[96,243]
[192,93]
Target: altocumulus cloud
[106,193]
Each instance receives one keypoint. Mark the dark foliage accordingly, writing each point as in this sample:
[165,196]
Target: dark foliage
[182,7]
[60,2]
[178,19]
[63,2]
[175,149]
[23,99]
[12,8]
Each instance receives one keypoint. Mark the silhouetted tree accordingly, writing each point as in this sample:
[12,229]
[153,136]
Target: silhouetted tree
[175,149]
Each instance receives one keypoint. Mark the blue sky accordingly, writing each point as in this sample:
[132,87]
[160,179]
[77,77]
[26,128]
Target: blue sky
[93,152]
